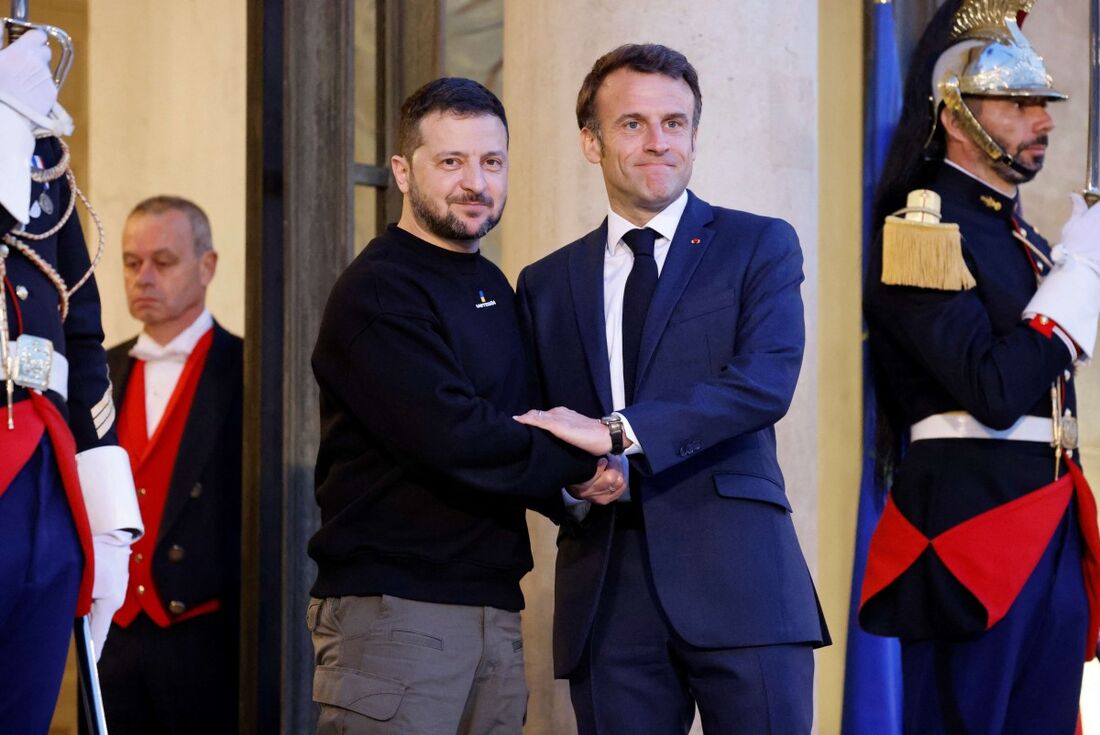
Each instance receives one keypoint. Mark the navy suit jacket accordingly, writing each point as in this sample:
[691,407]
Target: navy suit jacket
[202,514]
[719,358]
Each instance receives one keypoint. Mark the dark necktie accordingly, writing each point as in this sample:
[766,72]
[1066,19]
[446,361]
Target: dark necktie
[636,297]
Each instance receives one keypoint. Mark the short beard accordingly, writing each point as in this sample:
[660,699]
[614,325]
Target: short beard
[1013,176]
[449,226]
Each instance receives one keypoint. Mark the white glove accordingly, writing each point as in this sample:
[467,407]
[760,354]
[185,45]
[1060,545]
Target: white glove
[26,82]
[27,94]
[112,573]
[16,149]
[1070,293]
[1080,233]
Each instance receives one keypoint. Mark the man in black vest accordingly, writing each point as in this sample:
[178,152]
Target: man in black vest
[172,664]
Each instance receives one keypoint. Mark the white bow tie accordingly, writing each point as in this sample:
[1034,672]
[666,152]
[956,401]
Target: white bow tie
[155,353]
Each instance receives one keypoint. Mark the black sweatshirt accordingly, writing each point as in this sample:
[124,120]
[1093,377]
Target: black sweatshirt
[423,477]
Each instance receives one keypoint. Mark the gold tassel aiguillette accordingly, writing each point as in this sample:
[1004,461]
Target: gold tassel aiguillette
[919,250]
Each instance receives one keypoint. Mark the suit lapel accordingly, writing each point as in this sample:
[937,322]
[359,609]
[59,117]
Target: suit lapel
[586,285]
[693,237]
[209,408]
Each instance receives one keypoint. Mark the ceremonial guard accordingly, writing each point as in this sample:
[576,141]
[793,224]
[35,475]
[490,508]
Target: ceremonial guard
[985,560]
[66,491]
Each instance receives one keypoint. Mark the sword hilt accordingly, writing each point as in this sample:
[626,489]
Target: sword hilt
[16,27]
[14,32]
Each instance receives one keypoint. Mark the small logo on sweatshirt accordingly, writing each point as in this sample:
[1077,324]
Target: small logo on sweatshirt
[483,303]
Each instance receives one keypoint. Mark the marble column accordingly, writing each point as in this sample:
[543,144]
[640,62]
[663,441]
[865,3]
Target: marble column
[757,151]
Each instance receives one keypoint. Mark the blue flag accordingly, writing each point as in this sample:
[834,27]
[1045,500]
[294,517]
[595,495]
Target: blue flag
[872,675]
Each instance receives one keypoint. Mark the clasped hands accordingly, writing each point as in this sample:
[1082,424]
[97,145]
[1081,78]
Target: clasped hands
[590,435]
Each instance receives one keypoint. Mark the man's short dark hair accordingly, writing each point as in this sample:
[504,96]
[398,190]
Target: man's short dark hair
[647,58]
[201,237]
[452,95]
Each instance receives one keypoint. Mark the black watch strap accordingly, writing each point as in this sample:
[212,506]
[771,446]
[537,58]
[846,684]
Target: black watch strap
[614,425]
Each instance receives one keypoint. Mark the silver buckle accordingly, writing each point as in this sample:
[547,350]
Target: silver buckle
[1067,432]
[34,356]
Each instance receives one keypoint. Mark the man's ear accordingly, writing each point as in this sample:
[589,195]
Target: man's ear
[591,146]
[208,264]
[951,126]
[400,167]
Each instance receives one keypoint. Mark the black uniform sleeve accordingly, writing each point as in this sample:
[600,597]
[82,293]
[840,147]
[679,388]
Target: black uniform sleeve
[91,408]
[996,378]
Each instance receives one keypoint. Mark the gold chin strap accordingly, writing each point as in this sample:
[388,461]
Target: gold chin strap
[953,99]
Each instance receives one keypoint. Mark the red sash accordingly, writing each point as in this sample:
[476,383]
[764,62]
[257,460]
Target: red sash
[33,418]
[975,553]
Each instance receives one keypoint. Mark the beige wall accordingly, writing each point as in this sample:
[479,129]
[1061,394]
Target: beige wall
[158,95]
[167,115]
[840,379]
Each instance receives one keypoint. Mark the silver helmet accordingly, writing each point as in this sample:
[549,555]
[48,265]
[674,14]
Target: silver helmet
[990,57]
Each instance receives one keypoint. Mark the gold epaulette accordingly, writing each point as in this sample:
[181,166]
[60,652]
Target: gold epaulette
[919,250]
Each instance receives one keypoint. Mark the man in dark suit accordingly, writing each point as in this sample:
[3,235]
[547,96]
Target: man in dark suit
[171,665]
[681,324]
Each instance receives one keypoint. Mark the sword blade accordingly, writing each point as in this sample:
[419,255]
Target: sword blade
[91,698]
[1092,185]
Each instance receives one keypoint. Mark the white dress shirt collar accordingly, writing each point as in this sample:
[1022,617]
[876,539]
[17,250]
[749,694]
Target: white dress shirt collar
[664,222]
[179,348]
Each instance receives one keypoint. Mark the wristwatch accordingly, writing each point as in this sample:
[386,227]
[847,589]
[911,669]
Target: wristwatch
[614,425]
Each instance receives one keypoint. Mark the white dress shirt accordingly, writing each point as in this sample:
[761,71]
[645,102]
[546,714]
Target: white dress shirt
[164,365]
[618,259]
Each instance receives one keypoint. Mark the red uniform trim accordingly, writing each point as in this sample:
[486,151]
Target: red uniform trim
[975,553]
[153,460]
[895,545]
[1043,325]
[1090,559]
[20,443]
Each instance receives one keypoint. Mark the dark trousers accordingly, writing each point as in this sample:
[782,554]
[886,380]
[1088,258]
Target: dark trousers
[180,680]
[1022,676]
[639,678]
[40,567]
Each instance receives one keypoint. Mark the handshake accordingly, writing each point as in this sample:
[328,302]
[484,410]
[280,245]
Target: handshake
[591,435]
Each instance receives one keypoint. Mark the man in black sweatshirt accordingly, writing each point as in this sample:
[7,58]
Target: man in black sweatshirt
[423,478]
